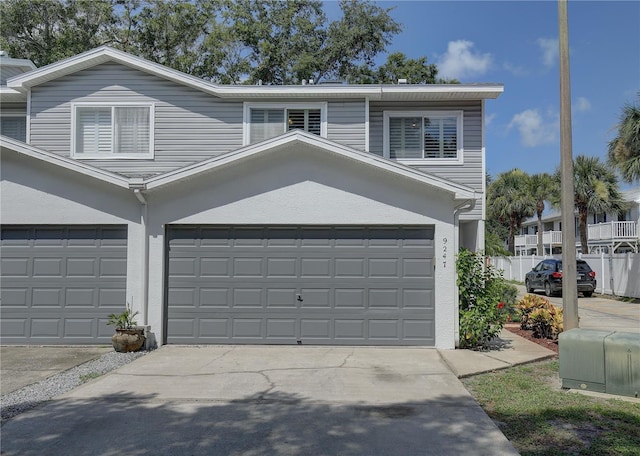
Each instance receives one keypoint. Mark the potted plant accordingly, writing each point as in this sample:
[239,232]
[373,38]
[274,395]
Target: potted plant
[128,336]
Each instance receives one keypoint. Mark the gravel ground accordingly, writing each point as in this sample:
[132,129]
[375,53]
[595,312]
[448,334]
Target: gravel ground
[31,396]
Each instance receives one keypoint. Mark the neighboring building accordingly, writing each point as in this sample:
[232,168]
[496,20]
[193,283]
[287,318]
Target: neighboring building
[608,232]
[313,214]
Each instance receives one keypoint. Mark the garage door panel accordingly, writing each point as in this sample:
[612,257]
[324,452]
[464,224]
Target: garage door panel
[59,283]
[356,285]
[214,297]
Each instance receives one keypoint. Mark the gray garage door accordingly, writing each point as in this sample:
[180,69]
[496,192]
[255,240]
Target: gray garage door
[287,285]
[59,283]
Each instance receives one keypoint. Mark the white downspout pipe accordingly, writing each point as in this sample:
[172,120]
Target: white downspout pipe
[145,253]
[466,206]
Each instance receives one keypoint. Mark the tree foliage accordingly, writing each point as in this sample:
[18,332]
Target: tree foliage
[596,191]
[542,187]
[226,41]
[624,149]
[510,202]
[47,31]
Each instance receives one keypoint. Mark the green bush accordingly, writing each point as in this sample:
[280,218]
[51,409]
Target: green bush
[483,290]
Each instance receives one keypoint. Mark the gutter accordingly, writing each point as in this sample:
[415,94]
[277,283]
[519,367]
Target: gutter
[465,206]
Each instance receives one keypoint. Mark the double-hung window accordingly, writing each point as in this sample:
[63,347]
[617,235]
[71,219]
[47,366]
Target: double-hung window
[264,121]
[423,136]
[113,131]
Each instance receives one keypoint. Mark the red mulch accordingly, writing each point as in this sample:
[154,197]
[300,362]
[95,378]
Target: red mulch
[528,334]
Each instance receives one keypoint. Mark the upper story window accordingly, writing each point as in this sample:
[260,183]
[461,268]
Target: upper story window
[112,131]
[423,136]
[264,121]
[14,127]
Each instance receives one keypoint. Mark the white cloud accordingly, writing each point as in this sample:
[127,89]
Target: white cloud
[549,48]
[461,61]
[488,119]
[582,105]
[515,70]
[535,129]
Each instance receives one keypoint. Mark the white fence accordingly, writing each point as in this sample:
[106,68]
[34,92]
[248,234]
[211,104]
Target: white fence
[615,274]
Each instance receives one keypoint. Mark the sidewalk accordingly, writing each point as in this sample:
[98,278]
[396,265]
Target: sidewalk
[509,350]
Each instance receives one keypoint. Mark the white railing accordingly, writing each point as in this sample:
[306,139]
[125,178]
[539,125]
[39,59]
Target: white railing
[612,231]
[548,237]
[552,237]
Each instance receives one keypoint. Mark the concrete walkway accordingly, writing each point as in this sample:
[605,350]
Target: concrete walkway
[507,351]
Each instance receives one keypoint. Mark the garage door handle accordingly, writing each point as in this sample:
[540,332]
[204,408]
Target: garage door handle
[299,298]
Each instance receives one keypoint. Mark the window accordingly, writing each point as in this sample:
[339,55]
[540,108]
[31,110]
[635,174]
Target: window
[14,127]
[423,136]
[264,121]
[113,131]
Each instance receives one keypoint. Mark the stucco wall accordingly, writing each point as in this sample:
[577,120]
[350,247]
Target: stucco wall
[304,186]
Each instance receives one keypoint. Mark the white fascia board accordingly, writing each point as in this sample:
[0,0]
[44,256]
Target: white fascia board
[374,92]
[102,55]
[460,192]
[67,163]
[8,95]
[464,91]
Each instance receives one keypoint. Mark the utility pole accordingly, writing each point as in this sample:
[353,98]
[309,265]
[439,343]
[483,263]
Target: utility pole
[569,266]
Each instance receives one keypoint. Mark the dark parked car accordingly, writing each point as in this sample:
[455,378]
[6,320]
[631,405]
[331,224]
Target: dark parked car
[547,275]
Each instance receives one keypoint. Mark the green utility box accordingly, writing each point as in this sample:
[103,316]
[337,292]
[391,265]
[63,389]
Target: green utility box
[582,359]
[622,364]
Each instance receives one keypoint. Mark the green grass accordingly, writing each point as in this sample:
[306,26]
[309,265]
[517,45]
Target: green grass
[540,418]
[86,377]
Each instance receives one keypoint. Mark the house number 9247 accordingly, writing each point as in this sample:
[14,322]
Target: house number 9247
[444,252]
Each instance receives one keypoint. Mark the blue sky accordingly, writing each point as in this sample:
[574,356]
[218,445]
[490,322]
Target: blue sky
[516,43]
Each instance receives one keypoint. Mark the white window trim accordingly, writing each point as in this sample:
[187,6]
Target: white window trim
[247,106]
[421,161]
[112,155]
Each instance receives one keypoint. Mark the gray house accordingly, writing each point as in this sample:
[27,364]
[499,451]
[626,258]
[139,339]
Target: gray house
[310,214]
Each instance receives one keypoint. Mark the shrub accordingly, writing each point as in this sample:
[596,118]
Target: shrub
[540,316]
[483,311]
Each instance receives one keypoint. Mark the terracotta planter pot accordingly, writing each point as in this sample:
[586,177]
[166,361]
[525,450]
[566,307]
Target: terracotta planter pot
[128,340]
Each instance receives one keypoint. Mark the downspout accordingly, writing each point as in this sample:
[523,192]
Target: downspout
[465,206]
[138,189]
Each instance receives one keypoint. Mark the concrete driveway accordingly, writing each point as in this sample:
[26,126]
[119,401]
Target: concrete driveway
[248,400]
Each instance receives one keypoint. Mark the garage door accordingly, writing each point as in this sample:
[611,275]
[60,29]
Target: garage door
[59,283]
[287,285]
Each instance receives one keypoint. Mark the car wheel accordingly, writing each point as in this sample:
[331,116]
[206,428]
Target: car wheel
[528,286]
[547,289]
[587,294]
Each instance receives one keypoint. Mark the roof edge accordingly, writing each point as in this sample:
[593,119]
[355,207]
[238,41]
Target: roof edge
[63,162]
[459,191]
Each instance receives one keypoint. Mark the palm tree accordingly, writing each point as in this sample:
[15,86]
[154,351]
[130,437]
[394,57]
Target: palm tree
[624,149]
[509,201]
[595,191]
[542,187]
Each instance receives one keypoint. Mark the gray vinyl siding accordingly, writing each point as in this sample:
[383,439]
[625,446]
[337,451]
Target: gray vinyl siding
[14,109]
[346,123]
[9,71]
[469,173]
[190,126]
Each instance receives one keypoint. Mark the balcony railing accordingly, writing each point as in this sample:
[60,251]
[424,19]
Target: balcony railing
[611,231]
[531,240]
